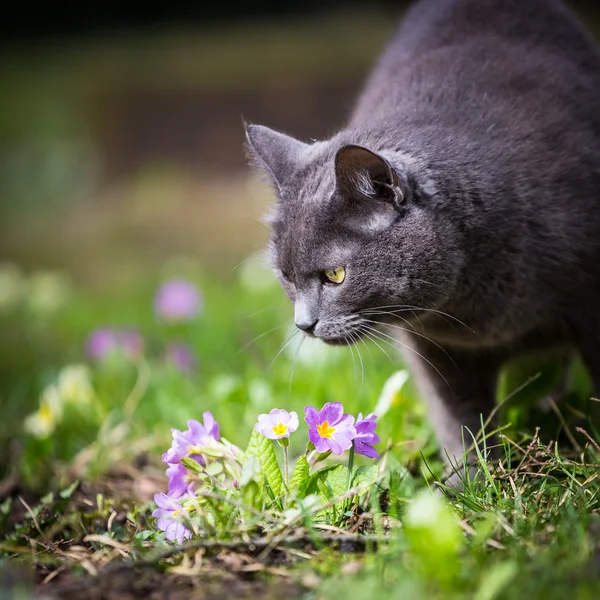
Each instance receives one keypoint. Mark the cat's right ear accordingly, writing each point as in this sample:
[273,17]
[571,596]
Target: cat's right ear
[274,153]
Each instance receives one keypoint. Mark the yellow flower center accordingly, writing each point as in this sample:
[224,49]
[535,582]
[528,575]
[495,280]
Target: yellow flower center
[45,413]
[280,429]
[325,431]
[175,513]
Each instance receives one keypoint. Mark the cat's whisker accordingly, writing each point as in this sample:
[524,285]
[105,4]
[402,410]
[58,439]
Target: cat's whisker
[258,312]
[448,291]
[378,334]
[258,337]
[385,313]
[370,337]
[421,335]
[353,359]
[294,363]
[283,347]
[407,308]
[362,366]
[251,256]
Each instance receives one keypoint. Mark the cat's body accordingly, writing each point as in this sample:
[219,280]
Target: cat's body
[468,183]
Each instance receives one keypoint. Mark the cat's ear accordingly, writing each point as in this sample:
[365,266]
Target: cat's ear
[275,153]
[362,174]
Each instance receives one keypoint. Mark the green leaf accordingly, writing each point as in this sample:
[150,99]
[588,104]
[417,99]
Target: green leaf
[262,448]
[299,480]
[192,465]
[328,482]
[365,476]
[68,492]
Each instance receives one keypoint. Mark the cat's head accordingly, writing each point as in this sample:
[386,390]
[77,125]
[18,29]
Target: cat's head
[357,234]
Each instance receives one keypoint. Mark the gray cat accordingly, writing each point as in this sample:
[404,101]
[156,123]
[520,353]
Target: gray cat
[461,202]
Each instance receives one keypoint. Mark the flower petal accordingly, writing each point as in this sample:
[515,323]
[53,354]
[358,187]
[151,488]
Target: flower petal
[311,416]
[335,446]
[278,415]
[293,422]
[321,444]
[332,412]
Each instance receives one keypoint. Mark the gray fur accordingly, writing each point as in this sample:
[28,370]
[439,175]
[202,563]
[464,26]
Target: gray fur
[486,114]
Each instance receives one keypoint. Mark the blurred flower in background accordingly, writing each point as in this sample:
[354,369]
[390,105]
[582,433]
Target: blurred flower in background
[73,386]
[44,420]
[177,300]
[390,393]
[11,286]
[48,292]
[104,341]
[181,356]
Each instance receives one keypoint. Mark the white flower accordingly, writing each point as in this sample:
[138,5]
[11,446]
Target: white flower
[277,424]
[48,292]
[390,392]
[43,421]
[74,384]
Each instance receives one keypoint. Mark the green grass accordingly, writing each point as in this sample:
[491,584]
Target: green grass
[524,527]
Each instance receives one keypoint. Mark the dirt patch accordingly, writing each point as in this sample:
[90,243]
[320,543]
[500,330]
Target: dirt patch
[152,584]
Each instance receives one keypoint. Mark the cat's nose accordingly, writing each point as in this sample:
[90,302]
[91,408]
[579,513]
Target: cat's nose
[308,326]
[305,316]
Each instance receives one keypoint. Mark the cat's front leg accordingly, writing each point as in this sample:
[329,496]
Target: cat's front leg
[459,388]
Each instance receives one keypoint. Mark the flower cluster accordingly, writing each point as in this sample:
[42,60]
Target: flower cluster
[199,460]
[73,387]
[188,460]
[175,302]
[329,430]
[106,341]
[41,293]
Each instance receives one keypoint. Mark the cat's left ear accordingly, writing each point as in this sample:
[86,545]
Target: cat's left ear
[362,174]
[275,153]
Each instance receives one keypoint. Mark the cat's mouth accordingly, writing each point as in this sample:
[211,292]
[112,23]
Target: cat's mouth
[340,341]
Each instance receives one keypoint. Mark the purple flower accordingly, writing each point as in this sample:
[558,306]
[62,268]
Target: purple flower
[181,357]
[179,481]
[277,424]
[169,515]
[177,300]
[131,342]
[366,436]
[197,434]
[330,429]
[104,341]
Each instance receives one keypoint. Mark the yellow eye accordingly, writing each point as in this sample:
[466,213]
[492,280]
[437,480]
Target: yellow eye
[335,275]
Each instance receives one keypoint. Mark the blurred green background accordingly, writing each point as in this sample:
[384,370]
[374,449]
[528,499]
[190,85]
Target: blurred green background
[122,165]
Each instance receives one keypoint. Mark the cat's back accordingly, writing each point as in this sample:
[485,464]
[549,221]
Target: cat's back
[454,54]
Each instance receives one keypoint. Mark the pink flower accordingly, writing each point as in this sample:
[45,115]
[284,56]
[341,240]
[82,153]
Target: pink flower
[169,515]
[105,341]
[366,436]
[177,300]
[277,424]
[330,429]
[181,357]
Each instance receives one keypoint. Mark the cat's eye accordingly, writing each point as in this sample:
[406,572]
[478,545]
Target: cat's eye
[335,275]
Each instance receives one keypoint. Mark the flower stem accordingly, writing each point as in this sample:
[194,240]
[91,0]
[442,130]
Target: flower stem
[350,465]
[286,464]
